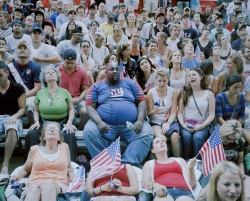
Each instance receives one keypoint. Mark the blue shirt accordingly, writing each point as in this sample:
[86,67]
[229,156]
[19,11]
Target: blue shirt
[29,74]
[194,63]
[191,33]
[236,45]
[53,17]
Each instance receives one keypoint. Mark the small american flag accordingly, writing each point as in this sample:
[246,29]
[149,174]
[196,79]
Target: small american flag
[79,181]
[198,53]
[212,152]
[107,162]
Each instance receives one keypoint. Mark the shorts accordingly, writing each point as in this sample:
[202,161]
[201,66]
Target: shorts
[4,127]
[114,198]
[78,106]
[177,192]
[63,187]
[174,127]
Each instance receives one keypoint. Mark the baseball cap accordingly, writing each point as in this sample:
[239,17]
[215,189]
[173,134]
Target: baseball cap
[23,44]
[69,54]
[47,22]
[19,9]
[168,9]
[70,10]
[241,27]
[219,16]
[185,15]
[77,30]
[162,14]
[187,8]
[122,5]
[143,9]
[93,5]
[39,12]
[18,22]
[37,28]
[100,32]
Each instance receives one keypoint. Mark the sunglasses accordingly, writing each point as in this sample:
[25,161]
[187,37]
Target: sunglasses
[207,29]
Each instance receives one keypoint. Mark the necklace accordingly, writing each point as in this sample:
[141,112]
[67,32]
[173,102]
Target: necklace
[51,96]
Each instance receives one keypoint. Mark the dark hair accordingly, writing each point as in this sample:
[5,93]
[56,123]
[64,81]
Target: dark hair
[3,66]
[212,49]
[151,41]
[107,58]
[242,49]
[120,49]
[187,91]
[84,41]
[95,22]
[231,80]
[67,34]
[236,25]
[217,34]
[237,61]
[141,79]
[207,67]
[2,38]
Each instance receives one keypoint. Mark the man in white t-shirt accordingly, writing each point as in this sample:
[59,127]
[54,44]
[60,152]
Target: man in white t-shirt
[17,37]
[173,40]
[72,14]
[101,12]
[92,11]
[246,60]
[41,53]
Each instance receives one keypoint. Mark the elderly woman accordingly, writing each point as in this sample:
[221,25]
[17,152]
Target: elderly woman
[231,134]
[53,104]
[43,164]
[116,38]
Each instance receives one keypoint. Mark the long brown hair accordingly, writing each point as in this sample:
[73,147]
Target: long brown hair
[187,91]
[120,49]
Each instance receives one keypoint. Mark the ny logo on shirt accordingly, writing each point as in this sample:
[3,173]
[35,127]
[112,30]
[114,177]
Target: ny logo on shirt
[117,92]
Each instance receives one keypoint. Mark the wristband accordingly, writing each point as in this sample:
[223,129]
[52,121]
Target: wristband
[94,192]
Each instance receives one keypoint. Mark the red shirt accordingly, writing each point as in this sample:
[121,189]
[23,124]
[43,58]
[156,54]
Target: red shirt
[74,81]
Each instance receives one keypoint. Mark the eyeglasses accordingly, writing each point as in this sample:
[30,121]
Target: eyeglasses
[207,29]
[52,129]
[85,46]
[230,139]
[79,35]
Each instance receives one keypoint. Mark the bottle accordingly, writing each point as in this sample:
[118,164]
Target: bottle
[130,126]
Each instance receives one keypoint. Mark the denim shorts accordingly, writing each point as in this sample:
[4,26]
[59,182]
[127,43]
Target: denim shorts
[174,127]
[177,192]
[78,107]
[4,127]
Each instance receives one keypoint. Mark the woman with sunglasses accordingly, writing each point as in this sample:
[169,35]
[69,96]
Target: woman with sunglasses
[195,112]
[203,42]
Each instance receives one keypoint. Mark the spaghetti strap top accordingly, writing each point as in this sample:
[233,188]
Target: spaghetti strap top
[137,57]
[225,57]
[178,84]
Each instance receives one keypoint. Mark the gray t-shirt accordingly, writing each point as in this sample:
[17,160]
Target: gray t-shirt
[66,44]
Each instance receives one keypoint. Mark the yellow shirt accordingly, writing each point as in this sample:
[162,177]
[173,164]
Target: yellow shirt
[107,28]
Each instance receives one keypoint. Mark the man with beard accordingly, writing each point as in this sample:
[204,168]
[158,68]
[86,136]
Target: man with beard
[219,27]
[107,27]
[27,74]
[72,18]
[41,53]
[105,102]
[17,37]
[73,43]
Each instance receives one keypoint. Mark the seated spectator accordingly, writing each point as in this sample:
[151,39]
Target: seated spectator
[122,10]
[219,64]
[39,18]
[75,80]
[175,18]
[178,76]
[59,11]
[5,56]
[131,26]
[152,47]
[48,28]
[223,173]
[94,25]
[127,65]
[27,74]
[92,11]
[29,23]
[234,35]
[188,32]
[235,7]
[231,134]
[80,9]
[17,15]
[230,104]
[234,65]
[241,53]
[68,33]
[188,60]
[163,183]
[122,21]
[101,14]
[63,17]
[173,40]
[203,42]
[43,164]
[162,117]
[125,179]
[12,108]
[207,68]
[182,43]
[5,29]
[145,74]
[242,32]
[147,34]
[52,103]
[137,50]
[162,50]
[117,38]
[105,125]
[144,17]
[226,49]
[230,25]
[108,25]
[196,110]
[197,24]
[109,58]
[73,43]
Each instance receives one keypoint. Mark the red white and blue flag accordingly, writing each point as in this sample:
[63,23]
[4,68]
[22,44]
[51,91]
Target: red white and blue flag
[198,53]
[79,181]
[107,162]
[212,152]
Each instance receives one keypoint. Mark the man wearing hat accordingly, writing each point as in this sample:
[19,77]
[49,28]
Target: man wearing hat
[5,29]
[160,27]
[17,37]
[26,73]
[17,15]
[188,32]
[39,18]
[75,79]
[73,43]
[92,11]
[41,53]
[72,18]
[219,27]
[242,33]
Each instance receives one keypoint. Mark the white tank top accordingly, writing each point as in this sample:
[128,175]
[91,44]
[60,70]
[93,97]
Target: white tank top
[150,82]
[178,84]
[164,113]
[191,112]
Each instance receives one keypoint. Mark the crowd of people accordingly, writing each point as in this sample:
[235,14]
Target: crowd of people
[175,72]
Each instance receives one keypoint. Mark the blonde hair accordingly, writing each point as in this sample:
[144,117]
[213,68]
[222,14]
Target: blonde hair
[44,129]
[174,26]
[170,64]
[231,127]
[162,72]
[209,193]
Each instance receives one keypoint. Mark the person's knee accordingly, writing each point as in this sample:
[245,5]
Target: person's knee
[123,198]
[200,136]
[174,137]
[12,133]
[33,190]
[83,111]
